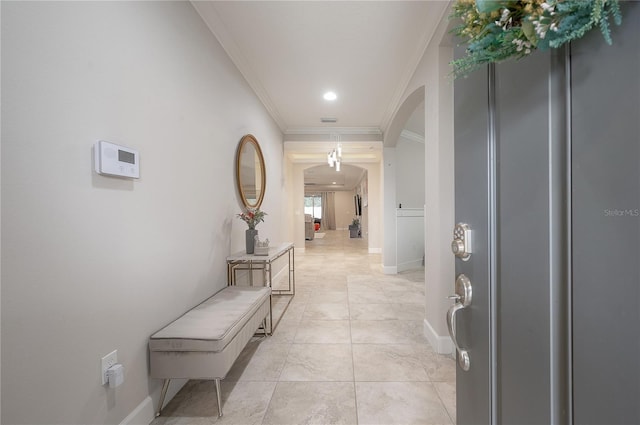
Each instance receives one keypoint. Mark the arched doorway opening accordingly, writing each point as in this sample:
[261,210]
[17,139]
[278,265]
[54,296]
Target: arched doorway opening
[334,199]
[361,162]
[404,187]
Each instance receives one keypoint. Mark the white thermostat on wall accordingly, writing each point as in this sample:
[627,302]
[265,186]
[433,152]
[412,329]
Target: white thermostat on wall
[115,160]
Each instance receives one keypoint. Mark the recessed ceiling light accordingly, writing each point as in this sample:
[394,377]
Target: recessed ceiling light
[333,182]
[330,96]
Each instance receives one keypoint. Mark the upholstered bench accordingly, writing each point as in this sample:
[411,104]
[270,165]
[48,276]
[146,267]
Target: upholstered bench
[206,341]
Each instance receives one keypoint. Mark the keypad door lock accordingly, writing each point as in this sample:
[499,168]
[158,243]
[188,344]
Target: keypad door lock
[461,245]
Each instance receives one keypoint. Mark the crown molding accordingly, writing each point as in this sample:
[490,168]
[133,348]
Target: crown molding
[411,136]
[324,146]
[332,130]
[326,134]
[410,70]
[208,13]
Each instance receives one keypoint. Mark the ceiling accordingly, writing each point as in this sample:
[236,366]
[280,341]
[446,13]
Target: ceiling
[292,52]
[325,178]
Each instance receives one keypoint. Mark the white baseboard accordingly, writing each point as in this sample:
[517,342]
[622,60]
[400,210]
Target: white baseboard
[145,412]
[440,344]
[410,265]
[389,269]
[141,415]
[375,250]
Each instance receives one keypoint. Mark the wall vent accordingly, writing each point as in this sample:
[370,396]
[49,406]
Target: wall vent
[328,120]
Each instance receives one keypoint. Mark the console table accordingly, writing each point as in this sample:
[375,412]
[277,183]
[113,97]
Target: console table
[241,261]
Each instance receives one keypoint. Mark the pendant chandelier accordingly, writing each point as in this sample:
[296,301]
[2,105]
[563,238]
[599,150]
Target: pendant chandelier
[334,157]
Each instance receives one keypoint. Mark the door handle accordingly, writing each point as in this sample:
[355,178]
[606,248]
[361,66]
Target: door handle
[462,299]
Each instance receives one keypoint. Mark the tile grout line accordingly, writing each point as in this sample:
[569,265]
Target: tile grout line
[353,362]
[290,344]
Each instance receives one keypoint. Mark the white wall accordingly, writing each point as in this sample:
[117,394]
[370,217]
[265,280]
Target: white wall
[289,214]
[410,236]
[410,182]
[345,209]
[404,183]
[91,263]
[297,196]
[372,213]
[433,73]
[389,258]
[439,197]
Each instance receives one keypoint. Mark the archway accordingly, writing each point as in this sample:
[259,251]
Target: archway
[404,187]
[302,155]
[331,196]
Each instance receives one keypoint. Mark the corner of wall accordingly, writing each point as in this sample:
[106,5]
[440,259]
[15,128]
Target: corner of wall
[390,269]
[440,344]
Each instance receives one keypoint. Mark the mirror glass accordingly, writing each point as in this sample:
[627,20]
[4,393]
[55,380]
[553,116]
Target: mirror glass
[250,172]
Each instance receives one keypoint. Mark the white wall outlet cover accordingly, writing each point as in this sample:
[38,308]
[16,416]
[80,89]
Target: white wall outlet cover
[116,375]
[108,361]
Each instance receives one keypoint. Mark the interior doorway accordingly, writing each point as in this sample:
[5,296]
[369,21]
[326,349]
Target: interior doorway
[313,208]
[335,200]
[404,196]
[307,160]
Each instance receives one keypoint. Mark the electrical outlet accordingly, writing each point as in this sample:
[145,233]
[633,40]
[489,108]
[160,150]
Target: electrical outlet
[108,361]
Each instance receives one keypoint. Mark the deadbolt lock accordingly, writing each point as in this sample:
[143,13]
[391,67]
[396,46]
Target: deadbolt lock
[461,244]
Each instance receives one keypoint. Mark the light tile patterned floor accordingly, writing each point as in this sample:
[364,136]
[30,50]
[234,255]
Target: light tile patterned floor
[349,349]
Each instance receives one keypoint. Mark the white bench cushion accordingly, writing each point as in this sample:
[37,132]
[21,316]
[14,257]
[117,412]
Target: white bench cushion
[211,325]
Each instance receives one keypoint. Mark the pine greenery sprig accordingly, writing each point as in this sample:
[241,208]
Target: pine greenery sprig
[497,30]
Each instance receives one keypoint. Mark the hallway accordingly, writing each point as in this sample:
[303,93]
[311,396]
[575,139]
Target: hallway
[349,349]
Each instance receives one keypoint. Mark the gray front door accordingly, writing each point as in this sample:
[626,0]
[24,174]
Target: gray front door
[605,124]
[511,164]
[547,157]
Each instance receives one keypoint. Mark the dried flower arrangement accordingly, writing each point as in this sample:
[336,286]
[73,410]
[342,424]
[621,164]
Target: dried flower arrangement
[252,216]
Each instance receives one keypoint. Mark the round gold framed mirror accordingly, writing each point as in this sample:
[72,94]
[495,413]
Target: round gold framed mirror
[250,172]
